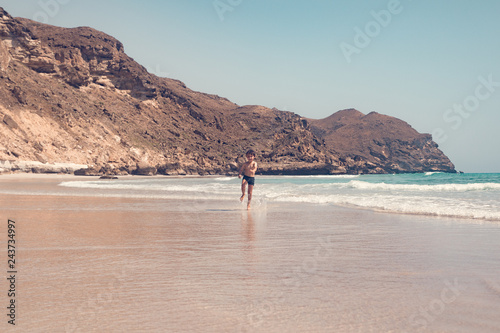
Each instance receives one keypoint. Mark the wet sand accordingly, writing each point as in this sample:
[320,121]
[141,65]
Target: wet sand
[109,264]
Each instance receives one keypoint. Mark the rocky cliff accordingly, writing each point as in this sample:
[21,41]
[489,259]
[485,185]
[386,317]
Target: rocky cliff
[380,144]
[73,97]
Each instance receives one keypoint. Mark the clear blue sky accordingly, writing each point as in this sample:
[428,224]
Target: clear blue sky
[434,64]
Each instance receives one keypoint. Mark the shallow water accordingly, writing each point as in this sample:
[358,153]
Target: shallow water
[115,264]
[438,194]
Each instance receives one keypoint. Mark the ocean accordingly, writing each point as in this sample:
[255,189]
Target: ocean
[468,195]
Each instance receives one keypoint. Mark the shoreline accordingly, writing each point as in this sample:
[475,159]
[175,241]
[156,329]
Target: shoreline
[278,267]
[37,167]
[55,179]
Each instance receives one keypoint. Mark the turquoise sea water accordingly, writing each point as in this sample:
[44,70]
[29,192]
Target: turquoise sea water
[471,195]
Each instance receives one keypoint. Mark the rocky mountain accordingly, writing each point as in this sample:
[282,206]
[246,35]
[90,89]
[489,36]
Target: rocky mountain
[71,97]
[380,143]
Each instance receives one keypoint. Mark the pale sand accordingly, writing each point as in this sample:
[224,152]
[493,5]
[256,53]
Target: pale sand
[136,265]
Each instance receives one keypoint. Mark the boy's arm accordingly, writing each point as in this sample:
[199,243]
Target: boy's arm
[241,170]
[253,167]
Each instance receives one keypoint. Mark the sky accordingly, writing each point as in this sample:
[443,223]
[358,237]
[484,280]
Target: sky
[432,63]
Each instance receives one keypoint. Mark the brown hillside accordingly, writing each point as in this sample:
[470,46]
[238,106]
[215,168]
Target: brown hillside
[74,96]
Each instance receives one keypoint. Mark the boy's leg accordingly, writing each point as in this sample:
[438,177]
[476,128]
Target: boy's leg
[250,190]
[243,188]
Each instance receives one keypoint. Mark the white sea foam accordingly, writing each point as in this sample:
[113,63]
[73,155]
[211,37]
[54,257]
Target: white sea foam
[147,186]
[425,188]
[434,206]
[429,206]
[224,179]
[322,176]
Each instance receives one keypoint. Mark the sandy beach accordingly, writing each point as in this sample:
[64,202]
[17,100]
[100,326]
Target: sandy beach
[86,262]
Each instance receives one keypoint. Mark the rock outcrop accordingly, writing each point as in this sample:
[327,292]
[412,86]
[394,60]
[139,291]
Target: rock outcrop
[74,96]
[380,144]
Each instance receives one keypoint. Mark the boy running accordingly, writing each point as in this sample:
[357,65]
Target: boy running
[248,171]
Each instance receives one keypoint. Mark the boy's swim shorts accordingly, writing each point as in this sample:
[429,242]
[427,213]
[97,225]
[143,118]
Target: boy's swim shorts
[250,180]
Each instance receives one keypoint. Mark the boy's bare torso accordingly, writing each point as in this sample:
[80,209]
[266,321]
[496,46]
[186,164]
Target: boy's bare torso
[249,168]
